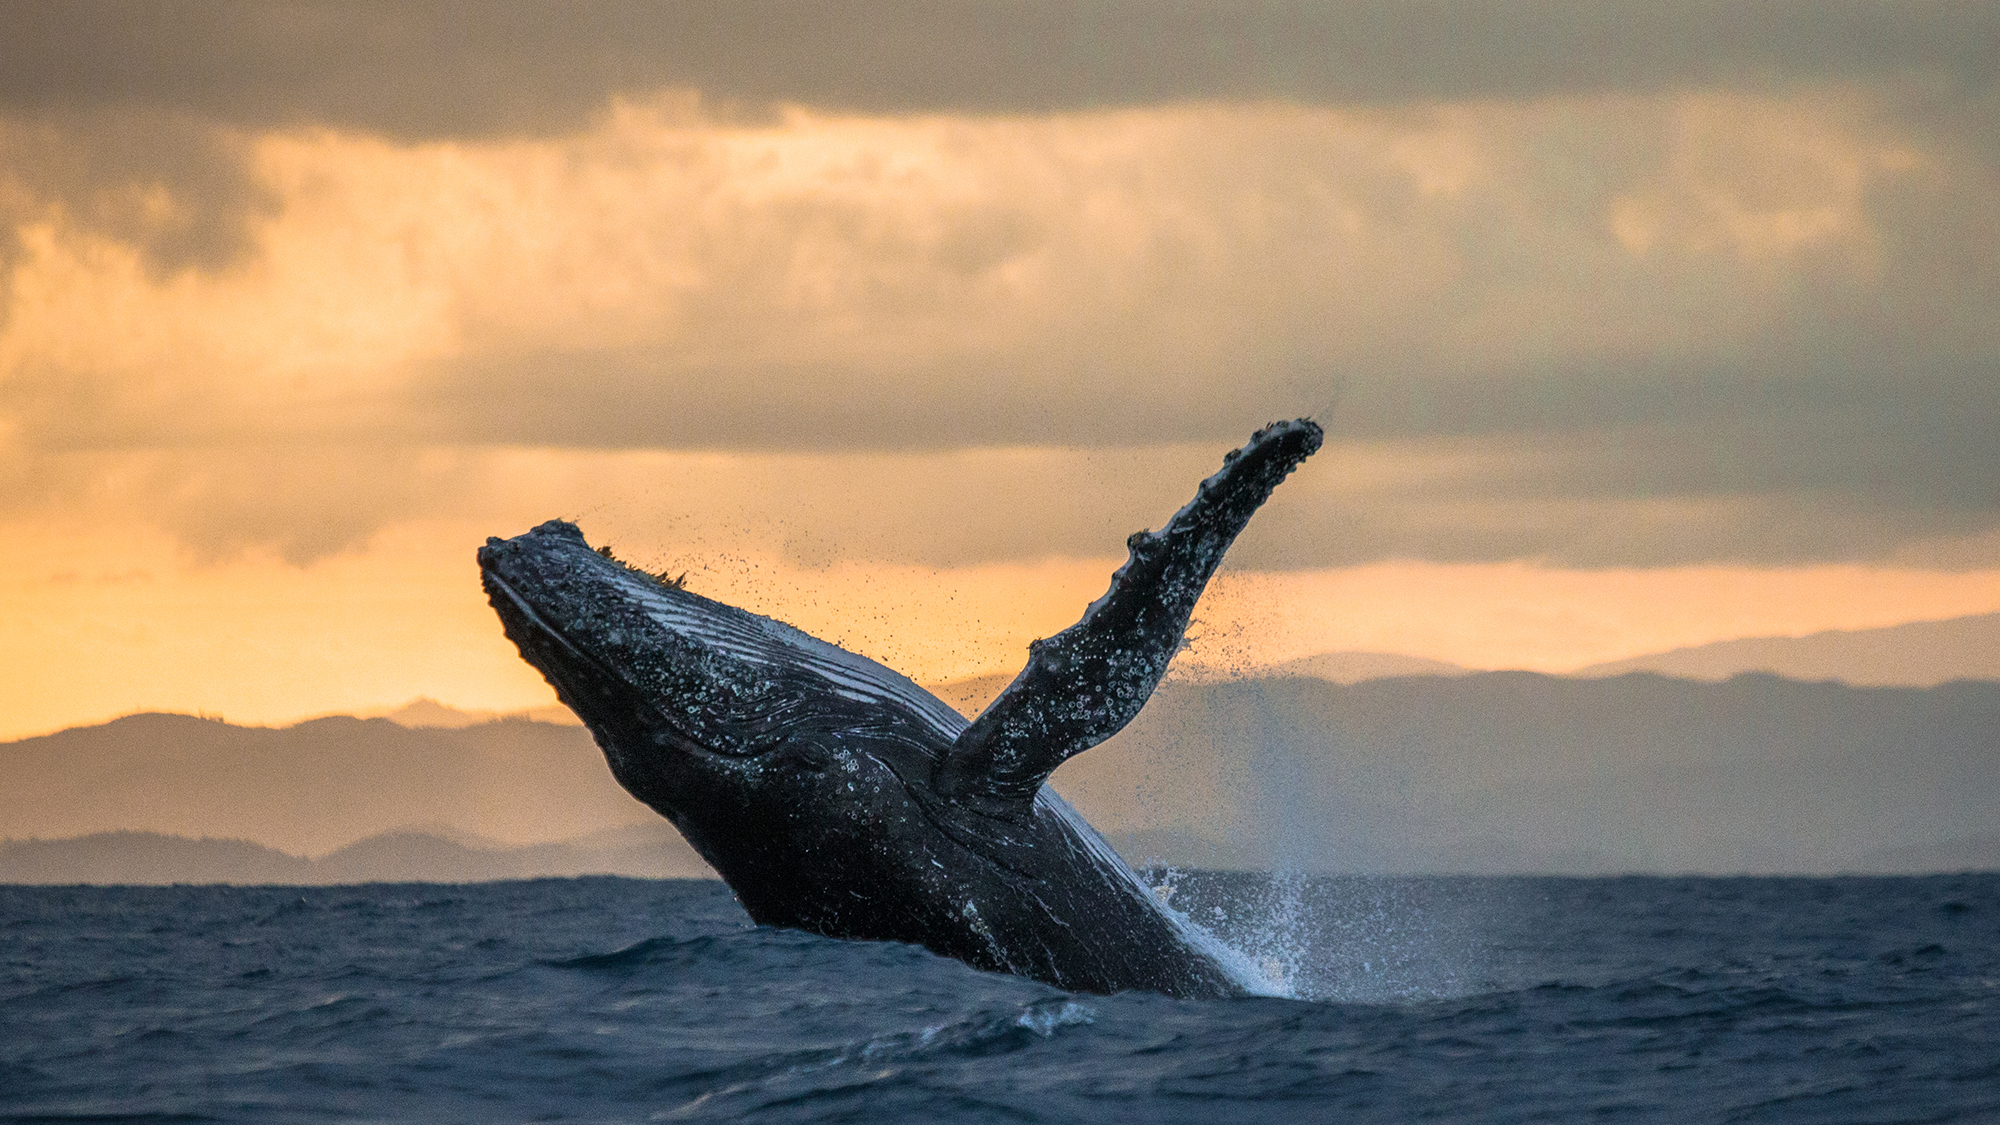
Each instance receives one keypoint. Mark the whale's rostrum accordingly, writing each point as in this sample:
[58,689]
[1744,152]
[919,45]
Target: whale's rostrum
[836,796]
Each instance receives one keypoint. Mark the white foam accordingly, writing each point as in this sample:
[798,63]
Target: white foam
[1235,962]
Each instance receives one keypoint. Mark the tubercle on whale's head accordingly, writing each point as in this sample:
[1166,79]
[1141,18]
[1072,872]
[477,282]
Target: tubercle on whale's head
[600,632]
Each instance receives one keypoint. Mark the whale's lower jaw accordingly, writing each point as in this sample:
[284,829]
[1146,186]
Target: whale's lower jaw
[836,796]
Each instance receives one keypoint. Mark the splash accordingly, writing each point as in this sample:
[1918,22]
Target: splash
[1342,938]
[1208,931]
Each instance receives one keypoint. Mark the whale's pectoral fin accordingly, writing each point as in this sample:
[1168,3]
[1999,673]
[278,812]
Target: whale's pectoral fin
[1084,684]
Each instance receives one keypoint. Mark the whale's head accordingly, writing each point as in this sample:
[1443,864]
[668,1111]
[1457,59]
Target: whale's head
[711,714]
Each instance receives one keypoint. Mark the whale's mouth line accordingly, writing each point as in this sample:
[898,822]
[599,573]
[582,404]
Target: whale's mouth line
[494,582]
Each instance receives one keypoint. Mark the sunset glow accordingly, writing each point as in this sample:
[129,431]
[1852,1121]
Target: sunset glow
[104,627]
[1606,368]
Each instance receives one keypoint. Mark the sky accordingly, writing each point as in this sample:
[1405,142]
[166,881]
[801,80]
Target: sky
[1632,325]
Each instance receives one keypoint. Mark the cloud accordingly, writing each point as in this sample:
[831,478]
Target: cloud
[437,69]
[1355,503]
[174,189]
[1625,328]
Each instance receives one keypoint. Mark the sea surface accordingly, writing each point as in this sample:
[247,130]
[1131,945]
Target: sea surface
[600,999]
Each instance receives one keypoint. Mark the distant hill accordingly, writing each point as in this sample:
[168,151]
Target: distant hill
[1921,654]
[313,787]
[653,851]
[1357,667]
[971,695]
[1518,772]
[1485,772]
[425,712]
[147,857]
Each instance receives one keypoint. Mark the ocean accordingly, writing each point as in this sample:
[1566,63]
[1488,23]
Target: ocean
[1641,999]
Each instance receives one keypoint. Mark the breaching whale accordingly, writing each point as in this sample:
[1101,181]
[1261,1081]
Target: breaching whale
[836,796]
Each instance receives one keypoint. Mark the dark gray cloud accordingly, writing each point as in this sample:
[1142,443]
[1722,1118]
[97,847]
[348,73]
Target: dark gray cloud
[101,101]
[433,69]
[174,187]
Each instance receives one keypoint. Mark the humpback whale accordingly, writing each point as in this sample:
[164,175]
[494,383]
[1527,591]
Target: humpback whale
[834,795]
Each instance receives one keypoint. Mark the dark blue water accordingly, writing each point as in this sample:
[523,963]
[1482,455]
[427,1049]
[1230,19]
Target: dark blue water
[1642,999]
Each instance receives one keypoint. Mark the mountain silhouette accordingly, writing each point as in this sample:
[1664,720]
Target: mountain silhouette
[1919,654]
[644,851]
[1520,772]
[1486,772]
[312,787]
